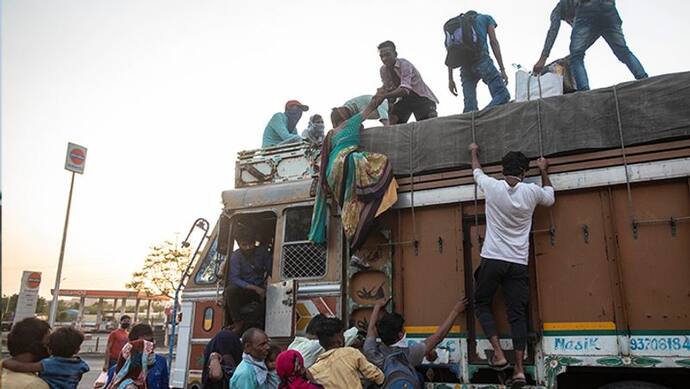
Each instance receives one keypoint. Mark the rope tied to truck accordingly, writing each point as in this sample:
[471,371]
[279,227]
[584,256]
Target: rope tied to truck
[552,228]
[631,209]
[476,206]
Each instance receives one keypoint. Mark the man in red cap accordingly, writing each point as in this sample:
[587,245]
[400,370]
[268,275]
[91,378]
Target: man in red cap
[282,128]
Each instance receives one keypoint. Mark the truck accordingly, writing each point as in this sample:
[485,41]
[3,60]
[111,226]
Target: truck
[609,262]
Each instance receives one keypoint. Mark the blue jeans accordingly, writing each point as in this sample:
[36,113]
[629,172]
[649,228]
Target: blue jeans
[594,19]
[486,71]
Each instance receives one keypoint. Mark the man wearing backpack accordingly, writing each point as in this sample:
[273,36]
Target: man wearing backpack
[590,20]
[468,49]
[393,355]
[404,88]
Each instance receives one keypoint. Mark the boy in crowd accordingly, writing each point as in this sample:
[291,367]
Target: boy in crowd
[64,369]
[339,367]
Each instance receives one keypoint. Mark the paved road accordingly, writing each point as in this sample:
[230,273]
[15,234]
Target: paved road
[95,363]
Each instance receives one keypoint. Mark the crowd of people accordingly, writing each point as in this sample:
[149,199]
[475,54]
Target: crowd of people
[42,358]
[468,37]
[327,356]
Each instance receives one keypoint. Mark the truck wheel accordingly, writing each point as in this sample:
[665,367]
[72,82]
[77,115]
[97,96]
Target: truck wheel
[632,385]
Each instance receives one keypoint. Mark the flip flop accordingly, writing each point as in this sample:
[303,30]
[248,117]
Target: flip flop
[516,383]
[500,367]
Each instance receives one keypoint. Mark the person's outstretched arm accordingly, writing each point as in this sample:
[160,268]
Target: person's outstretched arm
[547,193]
[371,107]
[496,48]
[375,312]
[432,341]
[369,370]
[474,152]
[550,38]
[451,83]
[22,367]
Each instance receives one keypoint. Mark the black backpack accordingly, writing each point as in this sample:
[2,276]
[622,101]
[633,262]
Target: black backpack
[463,44]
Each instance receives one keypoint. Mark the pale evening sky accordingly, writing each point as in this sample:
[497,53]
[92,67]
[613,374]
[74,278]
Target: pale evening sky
[165,92]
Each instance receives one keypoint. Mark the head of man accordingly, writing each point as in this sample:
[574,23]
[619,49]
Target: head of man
[388,53]
[245,240]
[141,331]
[515,164]
[65,342]
[391,328]
[293,111]
[28,340]
[313,326]
[255,343]
[330,333]
[125,322]
[339,115]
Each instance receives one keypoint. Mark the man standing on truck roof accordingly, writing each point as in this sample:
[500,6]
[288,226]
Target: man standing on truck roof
[250,267]
[590,20]
[404,88]
[509,205]
[477,66]
[282,128]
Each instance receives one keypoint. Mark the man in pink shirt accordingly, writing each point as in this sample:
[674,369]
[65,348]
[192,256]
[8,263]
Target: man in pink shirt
[404,87]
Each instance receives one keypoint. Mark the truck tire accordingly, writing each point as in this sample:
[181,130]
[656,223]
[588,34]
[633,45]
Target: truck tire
[632,385]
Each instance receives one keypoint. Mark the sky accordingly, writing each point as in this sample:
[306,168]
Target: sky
[164,93]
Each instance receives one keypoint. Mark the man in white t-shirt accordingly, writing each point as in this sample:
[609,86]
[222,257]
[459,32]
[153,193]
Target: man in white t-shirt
[509,205]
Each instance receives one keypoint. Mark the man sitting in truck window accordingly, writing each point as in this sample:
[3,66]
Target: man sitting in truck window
[250,267]
[510,204]
[309,346]
[391,330]
[282,128]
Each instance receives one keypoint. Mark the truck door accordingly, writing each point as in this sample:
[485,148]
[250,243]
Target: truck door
[655,270]
[280,309]
[576,267]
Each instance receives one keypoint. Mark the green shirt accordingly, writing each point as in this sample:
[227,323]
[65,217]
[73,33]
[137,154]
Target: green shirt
[277,132]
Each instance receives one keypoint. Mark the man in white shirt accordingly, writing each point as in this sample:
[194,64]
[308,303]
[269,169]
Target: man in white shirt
[509,205]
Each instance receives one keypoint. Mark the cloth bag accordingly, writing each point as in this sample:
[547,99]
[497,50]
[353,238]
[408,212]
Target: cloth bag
[527,85]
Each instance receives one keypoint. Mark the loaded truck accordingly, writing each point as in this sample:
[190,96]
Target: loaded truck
[609,262]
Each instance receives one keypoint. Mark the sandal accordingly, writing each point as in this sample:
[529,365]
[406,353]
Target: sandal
[516,382]
[500,367]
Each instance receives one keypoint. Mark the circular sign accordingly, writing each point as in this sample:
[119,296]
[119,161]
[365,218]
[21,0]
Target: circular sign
[76,156]
[33,281]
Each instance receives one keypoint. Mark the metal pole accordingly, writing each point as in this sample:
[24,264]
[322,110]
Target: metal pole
[58,276]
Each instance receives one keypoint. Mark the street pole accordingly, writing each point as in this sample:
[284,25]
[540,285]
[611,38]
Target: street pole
[58,276]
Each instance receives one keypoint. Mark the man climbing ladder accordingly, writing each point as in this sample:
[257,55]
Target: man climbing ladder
[509,205]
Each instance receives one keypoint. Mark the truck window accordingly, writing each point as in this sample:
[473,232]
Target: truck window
[211,263]
[300,258]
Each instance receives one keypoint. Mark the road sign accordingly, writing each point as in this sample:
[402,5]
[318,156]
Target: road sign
[76,158]
[28,296]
